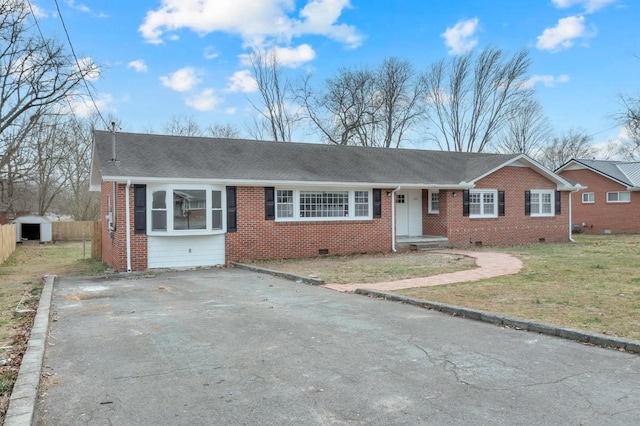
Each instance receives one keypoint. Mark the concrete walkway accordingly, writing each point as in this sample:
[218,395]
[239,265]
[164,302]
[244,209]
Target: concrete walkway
[490,264]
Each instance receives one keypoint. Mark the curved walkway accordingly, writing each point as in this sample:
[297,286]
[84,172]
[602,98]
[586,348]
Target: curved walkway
[490,264]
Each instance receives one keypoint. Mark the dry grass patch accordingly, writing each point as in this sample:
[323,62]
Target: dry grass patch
[21,279]
[371,268]
[591,285]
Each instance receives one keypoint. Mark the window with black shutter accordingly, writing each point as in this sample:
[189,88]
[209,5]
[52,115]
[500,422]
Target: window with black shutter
[269,203]
[139,209]
[377,202]
[232,209]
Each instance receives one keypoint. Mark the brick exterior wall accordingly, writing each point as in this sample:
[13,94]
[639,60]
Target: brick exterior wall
[114,244]
[258,238]
[600,215]
[515,227]
[435,223]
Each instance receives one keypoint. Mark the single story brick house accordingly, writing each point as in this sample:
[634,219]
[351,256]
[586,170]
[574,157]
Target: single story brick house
[173,202]
[610,201]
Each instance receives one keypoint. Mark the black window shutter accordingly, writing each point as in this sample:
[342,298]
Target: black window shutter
[527,203]
[269,203]
[465,202]
[377,202]
[139,209]
[558,202]
[500,203]
[232,210]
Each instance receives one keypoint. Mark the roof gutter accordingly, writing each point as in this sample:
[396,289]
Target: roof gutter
[393,219]
[268,182]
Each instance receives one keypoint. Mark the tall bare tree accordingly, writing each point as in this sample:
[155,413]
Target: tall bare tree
[367,107]
[226,131]
[181,125]
[527,130]
[471,97]
[276,120]
[575,143]
[345,107]
[630,118]
[34,73]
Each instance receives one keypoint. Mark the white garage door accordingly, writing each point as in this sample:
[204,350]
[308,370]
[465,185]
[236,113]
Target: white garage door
[186,251]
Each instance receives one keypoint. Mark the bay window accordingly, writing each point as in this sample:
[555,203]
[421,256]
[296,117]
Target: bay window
[184,210]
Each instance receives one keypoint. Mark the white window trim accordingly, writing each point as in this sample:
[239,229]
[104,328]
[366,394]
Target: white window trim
[169,209]
[593,194]
[619,192]
[540,192]
[495,203]
[431,209]
[352,204]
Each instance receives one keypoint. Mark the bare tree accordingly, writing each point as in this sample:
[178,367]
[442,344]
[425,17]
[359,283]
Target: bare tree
[575,143]
[35,74]
[471,97]
[226,131]
[275,119]
[365,107]
[345,107]
[181,125]
[630,118]
[75,199]
[399,94]
[526,131]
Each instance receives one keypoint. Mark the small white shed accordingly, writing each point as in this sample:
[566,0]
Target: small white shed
[32,228]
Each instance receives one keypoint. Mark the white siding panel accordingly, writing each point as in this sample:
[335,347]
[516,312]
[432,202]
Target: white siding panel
[186,251]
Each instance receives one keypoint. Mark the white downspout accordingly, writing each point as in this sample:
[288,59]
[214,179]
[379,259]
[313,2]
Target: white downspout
[128,225]
[393,219]
[571,216]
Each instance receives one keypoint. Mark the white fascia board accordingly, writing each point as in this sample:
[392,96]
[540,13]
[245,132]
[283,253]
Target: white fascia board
[281,183]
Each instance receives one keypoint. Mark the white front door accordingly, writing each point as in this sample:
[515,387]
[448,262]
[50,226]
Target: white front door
[409,212]
[402,213]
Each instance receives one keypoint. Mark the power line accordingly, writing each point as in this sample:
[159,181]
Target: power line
[82,76]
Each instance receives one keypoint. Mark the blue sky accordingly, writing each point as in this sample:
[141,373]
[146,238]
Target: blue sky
[167,58]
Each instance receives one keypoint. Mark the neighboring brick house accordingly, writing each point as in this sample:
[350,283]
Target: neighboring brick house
[170,201]
[610,203]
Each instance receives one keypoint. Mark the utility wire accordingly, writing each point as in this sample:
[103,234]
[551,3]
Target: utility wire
[84,80]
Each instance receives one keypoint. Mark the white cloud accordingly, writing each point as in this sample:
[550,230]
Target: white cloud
[81,7]
[83,107]
[242,81]
[563,35]
[589,5]
[204,101]
[546,80]
[254,21]
[294,57]
[90,68]
[182,80]
[138,65]
[460,38]
[210,53]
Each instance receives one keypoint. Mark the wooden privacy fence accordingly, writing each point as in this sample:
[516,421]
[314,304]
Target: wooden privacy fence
[78,231]
[7,241]
[72,231]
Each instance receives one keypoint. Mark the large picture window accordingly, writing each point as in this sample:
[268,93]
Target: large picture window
[183,209]
[322,204]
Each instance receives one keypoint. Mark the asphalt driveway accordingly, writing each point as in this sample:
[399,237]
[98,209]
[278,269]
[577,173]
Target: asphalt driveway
[233,347]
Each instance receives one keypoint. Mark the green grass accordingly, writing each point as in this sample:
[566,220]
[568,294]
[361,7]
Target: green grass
[592,284]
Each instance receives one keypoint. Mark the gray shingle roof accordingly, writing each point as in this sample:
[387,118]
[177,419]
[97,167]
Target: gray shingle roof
[142,156]
[626,173]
